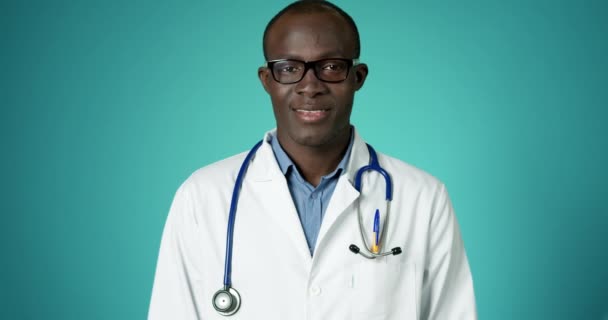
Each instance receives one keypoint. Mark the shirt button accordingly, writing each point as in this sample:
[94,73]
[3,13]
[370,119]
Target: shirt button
[315,290]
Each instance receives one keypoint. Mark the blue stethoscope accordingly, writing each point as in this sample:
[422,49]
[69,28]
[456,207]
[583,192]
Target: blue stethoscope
[227,300]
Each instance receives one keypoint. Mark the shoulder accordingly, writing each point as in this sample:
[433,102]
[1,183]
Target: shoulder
[215,174]
[404,176]
[419,188]
[409,175]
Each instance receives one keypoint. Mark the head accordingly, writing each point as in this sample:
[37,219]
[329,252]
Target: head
[312,112]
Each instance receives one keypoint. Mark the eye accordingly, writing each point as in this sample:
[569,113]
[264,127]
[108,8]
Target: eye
[287,67]
[335,66]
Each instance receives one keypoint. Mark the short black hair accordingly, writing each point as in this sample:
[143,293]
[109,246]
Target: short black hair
[310,6]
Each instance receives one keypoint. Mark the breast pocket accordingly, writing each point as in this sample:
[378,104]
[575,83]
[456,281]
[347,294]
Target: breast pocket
[383,289]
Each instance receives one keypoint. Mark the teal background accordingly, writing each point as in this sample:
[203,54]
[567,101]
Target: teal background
[108,106]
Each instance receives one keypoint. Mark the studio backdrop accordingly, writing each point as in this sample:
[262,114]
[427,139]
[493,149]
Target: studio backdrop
[108,106]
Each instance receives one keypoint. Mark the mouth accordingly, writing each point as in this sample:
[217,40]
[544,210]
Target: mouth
[312,115]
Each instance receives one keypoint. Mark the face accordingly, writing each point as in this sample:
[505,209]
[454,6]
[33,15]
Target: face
[311,112]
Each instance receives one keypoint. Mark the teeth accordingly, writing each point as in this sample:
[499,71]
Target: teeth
[310,111]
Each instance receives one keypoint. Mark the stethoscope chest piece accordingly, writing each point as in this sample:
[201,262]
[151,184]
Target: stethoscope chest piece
[226,301]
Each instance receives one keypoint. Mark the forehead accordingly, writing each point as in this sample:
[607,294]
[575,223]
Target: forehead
[310,36]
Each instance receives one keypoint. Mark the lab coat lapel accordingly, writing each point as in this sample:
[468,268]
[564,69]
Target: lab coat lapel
[345,193]
[275,197]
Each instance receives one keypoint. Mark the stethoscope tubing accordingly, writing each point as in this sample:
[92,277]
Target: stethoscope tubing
[232,215]
[374,166]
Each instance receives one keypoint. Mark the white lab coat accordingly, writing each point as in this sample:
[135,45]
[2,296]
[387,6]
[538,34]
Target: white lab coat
[272,267]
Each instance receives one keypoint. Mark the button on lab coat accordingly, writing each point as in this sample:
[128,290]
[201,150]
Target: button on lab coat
[272,267]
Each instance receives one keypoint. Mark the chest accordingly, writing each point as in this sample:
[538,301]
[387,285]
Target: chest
[273,268]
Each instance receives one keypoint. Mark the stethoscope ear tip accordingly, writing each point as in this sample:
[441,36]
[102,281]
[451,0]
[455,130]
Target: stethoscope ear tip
[394,251]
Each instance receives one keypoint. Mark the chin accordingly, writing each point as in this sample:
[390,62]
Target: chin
[313,139]
[310,141]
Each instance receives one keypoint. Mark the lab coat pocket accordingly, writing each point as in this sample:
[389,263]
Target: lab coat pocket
[383,289]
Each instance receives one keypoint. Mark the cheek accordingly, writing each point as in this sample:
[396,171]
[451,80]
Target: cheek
[279,97]
[344,98]
[279,94]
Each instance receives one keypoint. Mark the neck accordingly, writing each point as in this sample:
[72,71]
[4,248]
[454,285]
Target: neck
[314,162]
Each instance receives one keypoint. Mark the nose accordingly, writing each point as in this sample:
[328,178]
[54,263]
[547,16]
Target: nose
[310,85]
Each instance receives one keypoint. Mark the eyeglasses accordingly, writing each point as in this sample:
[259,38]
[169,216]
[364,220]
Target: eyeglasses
[288,71]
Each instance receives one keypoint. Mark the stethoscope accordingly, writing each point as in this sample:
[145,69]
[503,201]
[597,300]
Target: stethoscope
[227,300]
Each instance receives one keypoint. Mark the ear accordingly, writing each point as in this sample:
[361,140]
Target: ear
[265,78]
[361,72]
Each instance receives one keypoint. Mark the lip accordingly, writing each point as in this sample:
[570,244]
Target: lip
[311,114]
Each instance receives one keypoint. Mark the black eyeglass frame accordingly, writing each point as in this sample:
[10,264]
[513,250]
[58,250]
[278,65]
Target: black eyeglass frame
[311,65]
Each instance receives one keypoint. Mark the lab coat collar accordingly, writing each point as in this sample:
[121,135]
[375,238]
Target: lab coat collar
[345,193]
[267,167]
[264,168]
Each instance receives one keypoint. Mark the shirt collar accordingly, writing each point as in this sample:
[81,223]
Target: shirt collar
[285,162]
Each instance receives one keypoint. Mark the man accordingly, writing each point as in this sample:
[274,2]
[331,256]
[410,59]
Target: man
[299,204]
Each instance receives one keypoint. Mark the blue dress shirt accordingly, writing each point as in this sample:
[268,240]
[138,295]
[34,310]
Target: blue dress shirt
[310,202]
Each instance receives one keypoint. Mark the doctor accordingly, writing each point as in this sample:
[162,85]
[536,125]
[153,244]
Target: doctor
[299,209]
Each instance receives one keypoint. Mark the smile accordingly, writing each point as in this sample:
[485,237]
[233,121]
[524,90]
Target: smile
[310,116]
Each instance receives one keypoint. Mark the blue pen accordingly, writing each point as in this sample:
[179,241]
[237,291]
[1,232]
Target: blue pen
[376,246]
